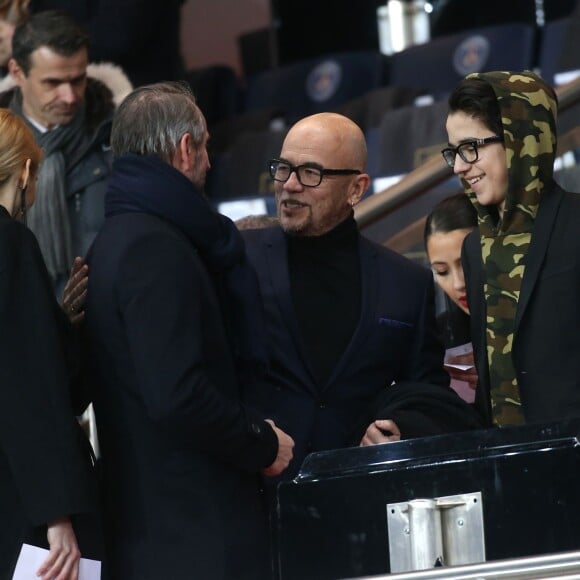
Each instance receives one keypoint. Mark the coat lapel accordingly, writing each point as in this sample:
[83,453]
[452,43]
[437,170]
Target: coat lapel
[475,280]
[276,255]
[369,293]
[535,257]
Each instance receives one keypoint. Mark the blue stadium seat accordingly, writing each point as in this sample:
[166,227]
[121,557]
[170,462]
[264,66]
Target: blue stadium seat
[440,64]
[242,170]
[551,58]
[316,85]
[367,110]
[409,136]
[372,138]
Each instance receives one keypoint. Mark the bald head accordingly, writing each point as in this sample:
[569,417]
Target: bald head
[333,135]
[333,148]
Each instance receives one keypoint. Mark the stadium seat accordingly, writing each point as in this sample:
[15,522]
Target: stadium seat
[372,138]
[316,85]
[367,110]
[553,58]
[243,169]
[409,136]
[440,64]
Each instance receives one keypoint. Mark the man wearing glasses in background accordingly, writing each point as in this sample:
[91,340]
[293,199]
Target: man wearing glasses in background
[351,325]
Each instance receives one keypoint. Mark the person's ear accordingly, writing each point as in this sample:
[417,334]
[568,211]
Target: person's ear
[184,153]
[24,175]
[16,71]
[359,187]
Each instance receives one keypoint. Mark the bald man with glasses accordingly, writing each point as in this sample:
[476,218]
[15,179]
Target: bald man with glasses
[356,357]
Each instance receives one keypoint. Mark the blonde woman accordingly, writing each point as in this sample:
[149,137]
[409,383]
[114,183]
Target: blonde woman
[45,481]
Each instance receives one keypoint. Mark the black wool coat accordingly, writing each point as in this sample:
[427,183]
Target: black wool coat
[546,347]
[180,453]
[45,469]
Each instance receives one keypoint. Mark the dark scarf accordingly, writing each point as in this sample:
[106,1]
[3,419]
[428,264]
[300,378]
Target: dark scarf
[145,184]
[48,217]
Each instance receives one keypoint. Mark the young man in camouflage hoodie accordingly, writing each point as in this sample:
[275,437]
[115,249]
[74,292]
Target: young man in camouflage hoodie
[522,266]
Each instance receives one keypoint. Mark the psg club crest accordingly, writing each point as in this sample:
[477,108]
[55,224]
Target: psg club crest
[471,55]
[323,81]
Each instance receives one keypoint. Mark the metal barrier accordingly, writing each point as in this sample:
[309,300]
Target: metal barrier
[564,566]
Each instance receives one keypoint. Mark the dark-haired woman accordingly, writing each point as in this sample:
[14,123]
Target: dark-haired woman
[448,224]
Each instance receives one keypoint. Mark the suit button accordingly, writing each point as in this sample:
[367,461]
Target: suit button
[321,405]
[256,429]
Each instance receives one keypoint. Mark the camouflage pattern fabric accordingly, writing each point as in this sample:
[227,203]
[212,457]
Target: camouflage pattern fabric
[528,110]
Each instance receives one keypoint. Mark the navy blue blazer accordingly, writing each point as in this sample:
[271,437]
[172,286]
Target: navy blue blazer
[396,340]
[546,347]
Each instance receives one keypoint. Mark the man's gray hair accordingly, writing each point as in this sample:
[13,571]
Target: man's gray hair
[153,119]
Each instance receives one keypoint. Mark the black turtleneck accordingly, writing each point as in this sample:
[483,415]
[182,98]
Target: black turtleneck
[325,283]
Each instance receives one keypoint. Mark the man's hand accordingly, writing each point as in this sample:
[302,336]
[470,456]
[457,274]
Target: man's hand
[75,291]
[285,453]
[63,559]
[381,431]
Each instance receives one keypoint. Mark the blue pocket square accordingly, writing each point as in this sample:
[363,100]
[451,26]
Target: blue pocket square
[394,323]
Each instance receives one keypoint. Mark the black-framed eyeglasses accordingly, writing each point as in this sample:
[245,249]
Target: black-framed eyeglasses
[468,150]
[308,174]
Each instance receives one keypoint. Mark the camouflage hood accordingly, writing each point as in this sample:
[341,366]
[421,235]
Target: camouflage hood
[528,114]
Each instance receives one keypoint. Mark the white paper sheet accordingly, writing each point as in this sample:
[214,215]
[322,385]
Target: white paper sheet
[459,367]
[462,388]
[32,557]
[458,351]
